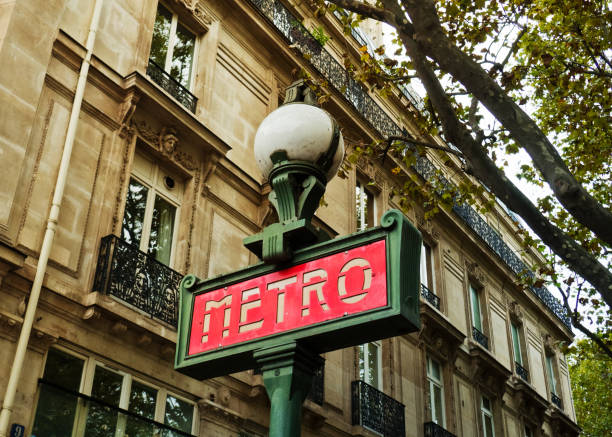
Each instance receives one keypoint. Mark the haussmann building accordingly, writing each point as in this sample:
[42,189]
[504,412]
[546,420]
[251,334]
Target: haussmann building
[159,102]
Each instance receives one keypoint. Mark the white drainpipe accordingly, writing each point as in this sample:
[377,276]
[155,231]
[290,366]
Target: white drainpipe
[28,320]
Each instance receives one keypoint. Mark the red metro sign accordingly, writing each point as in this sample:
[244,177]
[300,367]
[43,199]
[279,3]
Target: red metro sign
[321,290]
[336,294]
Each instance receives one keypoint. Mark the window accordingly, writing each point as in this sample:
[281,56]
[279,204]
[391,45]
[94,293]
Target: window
[476,314]
[61,412]
[427,268]
[550,370]
[528,432]
[369,353]
[370,358]
[172,47]
[364,207]
[486,410]
[436,392]
[151,209]
[517,349]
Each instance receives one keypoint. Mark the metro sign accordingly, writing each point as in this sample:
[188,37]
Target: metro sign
[336,294]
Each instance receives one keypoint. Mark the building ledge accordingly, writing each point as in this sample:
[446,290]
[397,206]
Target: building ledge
[486,370]
[437,330]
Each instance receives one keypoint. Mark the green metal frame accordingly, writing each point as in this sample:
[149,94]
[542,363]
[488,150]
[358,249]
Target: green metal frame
[400,316]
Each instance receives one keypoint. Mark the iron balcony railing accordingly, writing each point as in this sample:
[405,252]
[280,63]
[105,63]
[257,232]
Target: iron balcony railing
[430,297]
[480,338]
[172,86]
[432,429]
[522,372]
[104,417]
[138,279]
[375,410]
[298,36]
[556,400]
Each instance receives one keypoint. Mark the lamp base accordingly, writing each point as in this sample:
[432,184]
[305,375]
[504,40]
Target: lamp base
[275,244]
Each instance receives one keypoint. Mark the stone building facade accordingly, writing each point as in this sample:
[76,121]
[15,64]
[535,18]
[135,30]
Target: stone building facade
[162,182]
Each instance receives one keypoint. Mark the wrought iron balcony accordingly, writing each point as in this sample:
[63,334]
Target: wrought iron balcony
[430,297]
[172,86]
[375,410]
[317,391]
[138,279]
[556,400]
[480,338]
[522,372]
[432,429]
[285,22]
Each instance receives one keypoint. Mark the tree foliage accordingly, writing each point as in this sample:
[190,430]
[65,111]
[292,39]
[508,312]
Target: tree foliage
[591,376]
[542,71]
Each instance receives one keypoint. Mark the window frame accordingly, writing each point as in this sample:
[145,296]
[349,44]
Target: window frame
[361,201]
[487,412]
[551,371]
[174,22]
[155,188]
[476,304]
[427,257]
[90,363]
[431,383]
[364,373]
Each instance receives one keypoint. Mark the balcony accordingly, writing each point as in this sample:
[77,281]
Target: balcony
[480,338]
[376,411]
[556,400]
[285,23]
[432,429]
[430,297]
[137,279]
[171,86]
[522,372]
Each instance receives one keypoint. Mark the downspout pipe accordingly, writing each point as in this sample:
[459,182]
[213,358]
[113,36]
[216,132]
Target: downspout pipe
[41,268]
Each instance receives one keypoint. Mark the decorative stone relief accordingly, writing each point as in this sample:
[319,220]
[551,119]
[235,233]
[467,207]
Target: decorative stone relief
[200,13]
[550,345]
[516,313]
[476,273]
[166,141]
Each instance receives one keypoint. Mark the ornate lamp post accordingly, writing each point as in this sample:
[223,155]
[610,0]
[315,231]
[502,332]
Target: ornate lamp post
[299,148]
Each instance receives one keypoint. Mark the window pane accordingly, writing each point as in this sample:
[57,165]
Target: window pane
[373,370]
[182,55]
[179,415]
[102,421]
[488,425]
[475,309]
[516,344]
[133,217]
[142,402]
[437,405]
[162,226]
[161,36]
[551,374]
[361,358]
[434,370]
[56,410]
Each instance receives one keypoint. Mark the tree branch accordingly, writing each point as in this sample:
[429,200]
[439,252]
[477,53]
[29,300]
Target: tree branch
[485,169]
[362,8]
[578,325]
[427,32]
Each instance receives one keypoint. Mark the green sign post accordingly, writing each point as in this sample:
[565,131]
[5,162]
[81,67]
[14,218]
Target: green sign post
[308,295]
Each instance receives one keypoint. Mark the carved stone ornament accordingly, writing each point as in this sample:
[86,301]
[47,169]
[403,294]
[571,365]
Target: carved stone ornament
[427,229]
[476,273]
[550,345]
[166,141]
[516,313]
[199,12]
